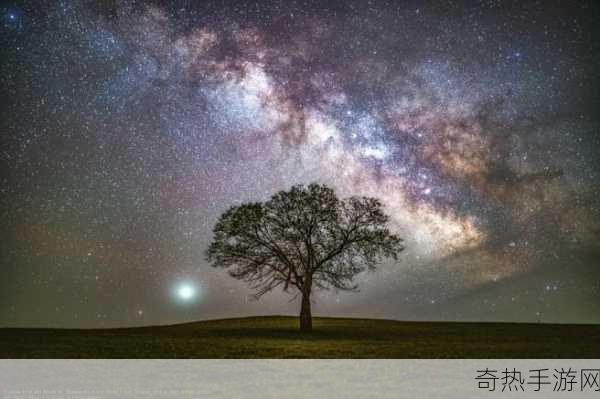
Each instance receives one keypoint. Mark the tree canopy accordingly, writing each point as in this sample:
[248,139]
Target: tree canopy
[304,238]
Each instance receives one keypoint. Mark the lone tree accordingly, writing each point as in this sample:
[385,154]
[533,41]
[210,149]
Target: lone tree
[303,239]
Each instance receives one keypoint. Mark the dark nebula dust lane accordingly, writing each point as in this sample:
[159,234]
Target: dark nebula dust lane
[128,127]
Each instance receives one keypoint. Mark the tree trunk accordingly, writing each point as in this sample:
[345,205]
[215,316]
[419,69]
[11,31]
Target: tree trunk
[305,315]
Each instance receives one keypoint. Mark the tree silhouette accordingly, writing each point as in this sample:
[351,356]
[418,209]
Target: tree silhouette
[304,239]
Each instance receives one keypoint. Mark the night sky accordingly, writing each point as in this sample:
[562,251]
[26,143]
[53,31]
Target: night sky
[127,128]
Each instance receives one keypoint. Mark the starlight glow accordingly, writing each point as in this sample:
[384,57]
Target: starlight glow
[186,292]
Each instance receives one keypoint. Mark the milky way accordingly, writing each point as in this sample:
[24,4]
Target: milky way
[127,128]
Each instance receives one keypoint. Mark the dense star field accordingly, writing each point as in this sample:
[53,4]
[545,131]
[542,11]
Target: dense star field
[127,128]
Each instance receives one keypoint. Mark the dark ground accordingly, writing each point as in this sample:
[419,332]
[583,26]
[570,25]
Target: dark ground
[278,337]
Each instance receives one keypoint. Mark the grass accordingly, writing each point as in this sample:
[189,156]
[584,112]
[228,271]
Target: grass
[278,337]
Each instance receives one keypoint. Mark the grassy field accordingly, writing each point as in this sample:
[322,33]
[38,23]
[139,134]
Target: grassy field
[277,337]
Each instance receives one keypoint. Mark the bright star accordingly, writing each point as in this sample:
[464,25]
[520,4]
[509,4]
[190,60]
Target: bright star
[186,292]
